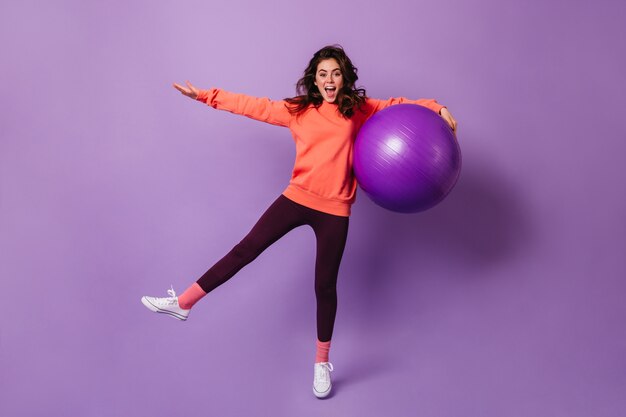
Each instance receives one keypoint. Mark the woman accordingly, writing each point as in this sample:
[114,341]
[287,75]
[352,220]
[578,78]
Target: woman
[324,120]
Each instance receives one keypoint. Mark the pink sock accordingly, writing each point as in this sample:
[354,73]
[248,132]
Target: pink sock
[191,296]
[322,351]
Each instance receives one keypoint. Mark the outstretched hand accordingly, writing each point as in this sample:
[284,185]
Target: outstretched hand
[447,116]
[191,92]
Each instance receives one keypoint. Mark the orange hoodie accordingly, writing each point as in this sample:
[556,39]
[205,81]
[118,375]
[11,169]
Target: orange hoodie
[322,177]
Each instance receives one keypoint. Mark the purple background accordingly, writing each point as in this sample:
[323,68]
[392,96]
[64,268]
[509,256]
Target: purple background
[505,300]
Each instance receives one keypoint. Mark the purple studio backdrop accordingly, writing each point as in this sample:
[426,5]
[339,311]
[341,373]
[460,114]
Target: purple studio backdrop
[507,299]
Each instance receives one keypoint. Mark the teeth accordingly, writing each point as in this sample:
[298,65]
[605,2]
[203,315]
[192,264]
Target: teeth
[330,88]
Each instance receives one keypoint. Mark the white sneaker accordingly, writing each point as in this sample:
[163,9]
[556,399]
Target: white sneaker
[321,379]
[167,305]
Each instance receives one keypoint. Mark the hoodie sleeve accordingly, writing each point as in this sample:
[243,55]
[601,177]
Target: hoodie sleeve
[372,105]
[257,108]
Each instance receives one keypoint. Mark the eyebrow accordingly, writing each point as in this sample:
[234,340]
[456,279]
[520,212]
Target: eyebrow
[334,69]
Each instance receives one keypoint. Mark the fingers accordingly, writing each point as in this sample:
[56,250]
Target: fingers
[191,92]
[191,87]
[180,88]
[453,124]
[450,120]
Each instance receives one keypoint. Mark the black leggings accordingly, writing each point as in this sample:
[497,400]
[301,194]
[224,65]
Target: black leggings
[281,217]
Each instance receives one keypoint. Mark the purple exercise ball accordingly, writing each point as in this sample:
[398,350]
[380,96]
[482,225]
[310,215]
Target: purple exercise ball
[406,158]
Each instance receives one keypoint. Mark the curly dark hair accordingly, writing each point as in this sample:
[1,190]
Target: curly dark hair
[348,97]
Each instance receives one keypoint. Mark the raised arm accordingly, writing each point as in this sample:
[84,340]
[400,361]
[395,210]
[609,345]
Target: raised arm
[257,108]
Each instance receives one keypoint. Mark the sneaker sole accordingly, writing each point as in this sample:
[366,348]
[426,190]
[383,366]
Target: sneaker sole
[156,309]
[322,394]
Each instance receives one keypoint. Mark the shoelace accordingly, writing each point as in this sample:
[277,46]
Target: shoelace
[171,291]
[323,371]
[171,300]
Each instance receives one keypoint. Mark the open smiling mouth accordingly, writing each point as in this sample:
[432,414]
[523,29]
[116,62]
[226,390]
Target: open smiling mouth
[331,91]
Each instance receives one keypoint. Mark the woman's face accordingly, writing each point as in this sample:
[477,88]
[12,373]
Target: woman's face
[328,79]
